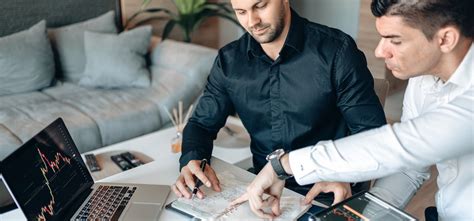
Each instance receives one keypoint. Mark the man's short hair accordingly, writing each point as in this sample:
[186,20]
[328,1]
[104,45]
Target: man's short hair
[429,15]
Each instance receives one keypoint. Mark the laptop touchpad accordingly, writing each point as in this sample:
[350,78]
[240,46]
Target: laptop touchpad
[143,211]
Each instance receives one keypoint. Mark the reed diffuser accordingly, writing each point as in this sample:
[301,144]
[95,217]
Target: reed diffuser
[178,122]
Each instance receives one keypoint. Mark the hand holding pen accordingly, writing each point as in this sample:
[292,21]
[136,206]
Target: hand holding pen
[192,176]
[199,182]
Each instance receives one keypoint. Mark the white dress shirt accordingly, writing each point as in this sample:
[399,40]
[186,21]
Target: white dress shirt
[438,127]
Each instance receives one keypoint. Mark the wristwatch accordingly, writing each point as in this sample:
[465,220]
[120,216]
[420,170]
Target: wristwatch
[274,159]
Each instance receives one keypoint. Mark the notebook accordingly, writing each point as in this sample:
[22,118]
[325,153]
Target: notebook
[215,206]
[49,181]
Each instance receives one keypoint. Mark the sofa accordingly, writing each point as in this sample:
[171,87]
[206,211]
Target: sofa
[95,116]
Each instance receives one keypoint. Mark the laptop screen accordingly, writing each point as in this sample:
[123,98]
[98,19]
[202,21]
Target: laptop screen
[46,173]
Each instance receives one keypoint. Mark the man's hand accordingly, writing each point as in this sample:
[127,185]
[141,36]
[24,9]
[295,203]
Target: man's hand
[186,181]
[341,191]
[265,182]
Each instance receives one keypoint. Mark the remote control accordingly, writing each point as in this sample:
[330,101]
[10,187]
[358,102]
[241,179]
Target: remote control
[131,159]
[122,163]
[91,162]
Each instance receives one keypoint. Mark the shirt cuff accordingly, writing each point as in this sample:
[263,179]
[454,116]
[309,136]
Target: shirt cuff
[302,166]
[186,157]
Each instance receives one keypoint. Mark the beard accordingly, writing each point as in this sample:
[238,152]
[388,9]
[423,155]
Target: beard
[272,32]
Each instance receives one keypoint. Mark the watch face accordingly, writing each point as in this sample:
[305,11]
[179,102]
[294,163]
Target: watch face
[275,154]
[279,152]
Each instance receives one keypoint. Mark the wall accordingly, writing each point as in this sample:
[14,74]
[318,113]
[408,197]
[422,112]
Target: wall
[205,35]
[228,31]
[340,14]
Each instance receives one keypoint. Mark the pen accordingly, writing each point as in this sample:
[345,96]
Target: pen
[199,183]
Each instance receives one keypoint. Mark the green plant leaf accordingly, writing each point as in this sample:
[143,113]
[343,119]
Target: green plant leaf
[191,13]
[168,28]
[154,10]
[189,6]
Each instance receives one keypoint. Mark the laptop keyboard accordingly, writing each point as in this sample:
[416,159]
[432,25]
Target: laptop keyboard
[107,203]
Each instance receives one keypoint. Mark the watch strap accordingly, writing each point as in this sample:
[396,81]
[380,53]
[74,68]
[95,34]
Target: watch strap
[278,168]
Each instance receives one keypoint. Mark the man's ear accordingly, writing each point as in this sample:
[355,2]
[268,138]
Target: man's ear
[448,38]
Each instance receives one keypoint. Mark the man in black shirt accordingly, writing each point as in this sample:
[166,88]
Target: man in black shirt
[292,83]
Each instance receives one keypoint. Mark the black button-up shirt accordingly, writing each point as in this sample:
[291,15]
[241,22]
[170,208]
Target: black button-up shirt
[319,88]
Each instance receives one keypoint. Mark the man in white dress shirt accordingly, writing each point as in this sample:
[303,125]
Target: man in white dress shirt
[429,42]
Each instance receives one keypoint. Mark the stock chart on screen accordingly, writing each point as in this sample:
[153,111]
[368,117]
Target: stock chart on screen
[46,172]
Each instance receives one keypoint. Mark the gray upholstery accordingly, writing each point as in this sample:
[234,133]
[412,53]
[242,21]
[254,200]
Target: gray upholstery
[68,43]
[8,141]
[119,114]
[26,61]
[18,15]
[97,117]
[23,99]
[182,61]
[114,61]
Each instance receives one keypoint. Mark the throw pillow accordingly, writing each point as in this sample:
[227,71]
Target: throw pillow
[26,61]
[117,60]
[68,43]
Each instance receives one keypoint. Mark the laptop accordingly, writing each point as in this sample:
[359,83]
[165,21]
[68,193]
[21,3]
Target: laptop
[49,181]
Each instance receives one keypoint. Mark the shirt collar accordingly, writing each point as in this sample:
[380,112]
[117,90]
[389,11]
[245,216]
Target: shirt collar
[294,39]
[463,75]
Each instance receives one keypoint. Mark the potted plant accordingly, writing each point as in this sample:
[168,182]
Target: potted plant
[190,14]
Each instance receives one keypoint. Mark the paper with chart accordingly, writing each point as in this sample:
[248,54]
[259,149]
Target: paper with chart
[215,205]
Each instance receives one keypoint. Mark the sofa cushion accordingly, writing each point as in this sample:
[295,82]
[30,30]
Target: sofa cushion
[68,43]
[179,65]
[26,61]
[19,123]
[27,120]
[13,100]
[8,142]
[169,80]
[194,61]
[114,61]
[119,114]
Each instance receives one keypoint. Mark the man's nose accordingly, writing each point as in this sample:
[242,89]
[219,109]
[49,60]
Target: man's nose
[381,50]
[254,19]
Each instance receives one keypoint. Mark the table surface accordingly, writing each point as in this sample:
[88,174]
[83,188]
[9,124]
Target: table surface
[165,166]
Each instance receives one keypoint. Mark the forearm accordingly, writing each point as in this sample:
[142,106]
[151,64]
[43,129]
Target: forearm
[439,135]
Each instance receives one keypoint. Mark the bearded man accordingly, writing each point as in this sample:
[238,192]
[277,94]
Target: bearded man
[292,83]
